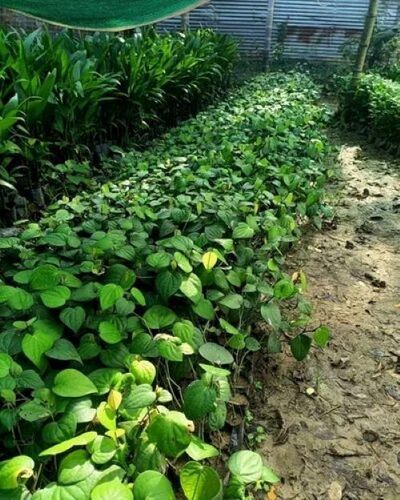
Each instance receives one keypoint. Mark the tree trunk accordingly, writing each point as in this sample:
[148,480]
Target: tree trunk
[366,38]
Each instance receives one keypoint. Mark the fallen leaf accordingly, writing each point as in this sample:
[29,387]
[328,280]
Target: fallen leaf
[335,491]
[271,495]
[310,391]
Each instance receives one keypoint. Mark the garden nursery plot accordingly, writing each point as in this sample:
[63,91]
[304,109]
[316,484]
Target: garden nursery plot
[75,98]
[129,315]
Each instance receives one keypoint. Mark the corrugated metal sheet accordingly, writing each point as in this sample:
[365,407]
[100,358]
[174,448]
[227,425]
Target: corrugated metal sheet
[311,29]
[318,29]
[246,20]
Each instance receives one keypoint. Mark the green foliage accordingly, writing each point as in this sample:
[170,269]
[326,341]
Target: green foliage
[374,106]
[67,98]
[385,54]
[132,306]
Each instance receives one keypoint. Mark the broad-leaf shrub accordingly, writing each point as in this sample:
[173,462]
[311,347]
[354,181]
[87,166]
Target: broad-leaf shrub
[124,312]
[70,97]
[385,54]
[374,105]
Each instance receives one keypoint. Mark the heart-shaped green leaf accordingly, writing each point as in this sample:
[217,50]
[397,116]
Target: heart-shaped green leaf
[71,383]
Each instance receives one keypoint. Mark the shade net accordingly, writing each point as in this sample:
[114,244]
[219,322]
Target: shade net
[107,15]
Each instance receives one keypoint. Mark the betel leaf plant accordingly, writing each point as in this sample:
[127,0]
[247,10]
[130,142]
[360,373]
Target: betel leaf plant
[373,106]
[127,312]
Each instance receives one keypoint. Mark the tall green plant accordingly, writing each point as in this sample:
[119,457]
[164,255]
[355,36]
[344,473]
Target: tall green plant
[78,96]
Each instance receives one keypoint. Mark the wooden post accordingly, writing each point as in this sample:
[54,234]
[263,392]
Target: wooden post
[185,22]
[270,26]
[366,38]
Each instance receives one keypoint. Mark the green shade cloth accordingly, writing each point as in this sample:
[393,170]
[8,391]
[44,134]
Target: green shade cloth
[107,15]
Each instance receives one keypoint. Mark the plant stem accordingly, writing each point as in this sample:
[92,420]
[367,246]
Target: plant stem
[366,38]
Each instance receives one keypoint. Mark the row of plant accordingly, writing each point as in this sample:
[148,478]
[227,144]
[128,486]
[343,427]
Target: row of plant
[373,104]
[384,57]
[66,97]
[127,314]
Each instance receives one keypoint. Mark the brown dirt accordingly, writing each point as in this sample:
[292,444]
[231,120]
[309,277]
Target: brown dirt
[343,441]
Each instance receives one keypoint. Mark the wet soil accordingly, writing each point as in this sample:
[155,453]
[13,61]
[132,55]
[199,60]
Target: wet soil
[333,422]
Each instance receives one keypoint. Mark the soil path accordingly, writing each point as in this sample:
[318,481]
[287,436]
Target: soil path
[343,441]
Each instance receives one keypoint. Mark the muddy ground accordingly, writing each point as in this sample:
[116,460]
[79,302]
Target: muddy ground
[343,441]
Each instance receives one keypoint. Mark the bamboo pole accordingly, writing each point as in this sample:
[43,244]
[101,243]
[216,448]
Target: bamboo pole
[366,38]
[270,27]
[185,22]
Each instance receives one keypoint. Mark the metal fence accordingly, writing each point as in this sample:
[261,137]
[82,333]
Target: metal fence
[301,29]
[318,29]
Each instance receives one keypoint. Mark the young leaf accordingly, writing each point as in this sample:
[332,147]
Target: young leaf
[204,309]
[246,465]
[284,289]
[140,396]
[199,450]
[183,262]
[169,350]
[20,300]
[110,333]
[272,314]
[36,345]
[159,317]
[102,450]
[112,489]
[214,353]
[170,433]
[243,231]
[200,482]
[71,383]
[269,476]
[322,336]
[109,295]
[44,277]
[209,260]
[232,301]
[159,260]
[73,317]
[300,346]
[15,471]
[198,400]
[138,296]
[103,378]
[168,283]
[192,288]
[106,416]
[81,440]
[64,350]
[55,297]
[152,484]
[56,432]
[75,467]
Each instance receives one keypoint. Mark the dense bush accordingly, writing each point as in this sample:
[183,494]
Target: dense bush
[374,105]
[68,97]
[384,54]
[124,313]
